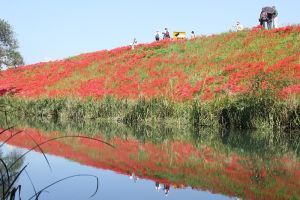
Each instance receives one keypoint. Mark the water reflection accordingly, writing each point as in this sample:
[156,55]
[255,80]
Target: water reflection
[164,187]
[244,165]
[9,171]
[157,186]
[112,185]
[133,177]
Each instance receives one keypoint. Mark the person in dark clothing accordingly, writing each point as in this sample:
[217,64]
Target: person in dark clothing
[263,18]
[157,36]
[166,34]
[166,189]
[157,186]
[267,16]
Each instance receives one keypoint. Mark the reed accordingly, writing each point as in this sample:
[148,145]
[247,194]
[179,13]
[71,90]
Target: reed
[250,111]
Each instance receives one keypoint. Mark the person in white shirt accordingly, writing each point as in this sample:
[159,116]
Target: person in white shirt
[193,35]
[239,26]
[133,44]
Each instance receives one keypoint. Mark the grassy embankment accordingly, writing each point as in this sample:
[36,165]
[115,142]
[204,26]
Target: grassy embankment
[242,80]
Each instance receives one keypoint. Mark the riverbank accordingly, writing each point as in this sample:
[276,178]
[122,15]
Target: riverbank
[248,112]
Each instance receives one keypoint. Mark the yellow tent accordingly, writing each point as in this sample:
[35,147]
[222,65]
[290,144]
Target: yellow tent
[177,35]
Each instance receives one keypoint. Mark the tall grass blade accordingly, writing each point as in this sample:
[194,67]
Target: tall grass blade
[12,136]
[6,129]
[69,177]
[57,138]
[6,170]
[10,187]
[31,182]
[42,151]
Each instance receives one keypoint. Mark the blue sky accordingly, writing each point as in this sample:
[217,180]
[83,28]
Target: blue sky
[55,29]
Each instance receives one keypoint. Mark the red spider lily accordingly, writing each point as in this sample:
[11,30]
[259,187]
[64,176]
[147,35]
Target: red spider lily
[170,69]
[290,90]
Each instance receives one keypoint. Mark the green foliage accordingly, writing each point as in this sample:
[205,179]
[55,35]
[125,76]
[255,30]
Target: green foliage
[9,56]
[253,111]
[155,109]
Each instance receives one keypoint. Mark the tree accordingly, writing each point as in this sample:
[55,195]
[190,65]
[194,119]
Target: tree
[9,56]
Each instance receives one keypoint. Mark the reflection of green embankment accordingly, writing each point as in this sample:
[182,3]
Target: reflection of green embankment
[223,164]
[261,143]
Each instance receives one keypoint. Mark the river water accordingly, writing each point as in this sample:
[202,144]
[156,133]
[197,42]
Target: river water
[234,166]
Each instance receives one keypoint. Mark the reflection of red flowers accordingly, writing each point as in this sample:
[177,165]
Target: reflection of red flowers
[201,167]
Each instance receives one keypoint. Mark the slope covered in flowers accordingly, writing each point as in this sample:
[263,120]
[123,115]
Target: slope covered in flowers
[205,68]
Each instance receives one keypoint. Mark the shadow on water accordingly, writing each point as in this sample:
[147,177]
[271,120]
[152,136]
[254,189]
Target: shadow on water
[251,165]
